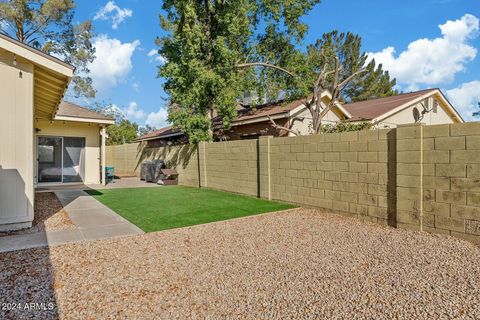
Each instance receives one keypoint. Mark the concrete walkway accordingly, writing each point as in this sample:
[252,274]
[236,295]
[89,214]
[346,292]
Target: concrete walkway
[92,219]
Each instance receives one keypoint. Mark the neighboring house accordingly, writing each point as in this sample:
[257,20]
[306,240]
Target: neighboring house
[163,137]
[426,106]
[41,139]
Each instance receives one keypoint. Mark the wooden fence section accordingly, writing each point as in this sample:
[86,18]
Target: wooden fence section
[418,177]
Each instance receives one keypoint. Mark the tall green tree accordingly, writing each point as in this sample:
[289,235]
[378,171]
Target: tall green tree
[374,83]
[47,25]
[122,132]
[477,113]
[217,49]
[143,130]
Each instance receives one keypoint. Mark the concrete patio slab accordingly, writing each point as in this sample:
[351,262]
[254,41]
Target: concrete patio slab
[92,219]
[124,182]
[121,229]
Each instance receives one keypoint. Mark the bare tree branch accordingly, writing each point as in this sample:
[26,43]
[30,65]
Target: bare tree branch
[266,65]
[351,77]
[279,127]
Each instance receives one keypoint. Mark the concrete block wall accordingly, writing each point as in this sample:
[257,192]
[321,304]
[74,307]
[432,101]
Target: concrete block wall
[345,172]
[417,177]
[230,166]
[438,179]
[127,159]
[124,158]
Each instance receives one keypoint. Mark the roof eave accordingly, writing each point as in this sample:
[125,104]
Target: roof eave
[85,120]
[36,56]
[160,136]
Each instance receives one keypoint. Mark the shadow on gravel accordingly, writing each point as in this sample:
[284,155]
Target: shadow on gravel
[27,285]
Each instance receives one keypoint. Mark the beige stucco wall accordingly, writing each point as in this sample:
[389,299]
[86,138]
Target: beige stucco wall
[406,117]
[16,142]
[91,133]
[302,119]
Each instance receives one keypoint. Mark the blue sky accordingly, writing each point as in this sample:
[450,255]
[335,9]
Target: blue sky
[428,43]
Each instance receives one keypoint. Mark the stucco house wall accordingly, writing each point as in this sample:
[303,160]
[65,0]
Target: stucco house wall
[16,141]
[302,120]
[91,133]
[405,116]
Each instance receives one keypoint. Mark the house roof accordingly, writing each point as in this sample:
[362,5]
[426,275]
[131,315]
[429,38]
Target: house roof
[248,113]
[374,108]
[244,113]
[161,133]
[73,112]
[363,110]
[51,76]
[35,51]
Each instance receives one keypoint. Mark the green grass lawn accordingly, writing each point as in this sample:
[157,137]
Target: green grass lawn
[154,209]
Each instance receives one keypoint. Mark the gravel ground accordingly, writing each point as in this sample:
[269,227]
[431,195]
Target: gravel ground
[49,215]
[299,263]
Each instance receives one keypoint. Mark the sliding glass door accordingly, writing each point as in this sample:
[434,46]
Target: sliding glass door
[61,159]
[50,159]
[73,159]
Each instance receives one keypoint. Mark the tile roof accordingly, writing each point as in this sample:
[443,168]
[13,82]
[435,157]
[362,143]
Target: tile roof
[166,131]
[68,109]
[371,109]
[363,110]
[244,113]
[266,110]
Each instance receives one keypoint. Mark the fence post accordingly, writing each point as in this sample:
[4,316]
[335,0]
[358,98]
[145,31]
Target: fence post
[202,163]
[264,174]
[410,163]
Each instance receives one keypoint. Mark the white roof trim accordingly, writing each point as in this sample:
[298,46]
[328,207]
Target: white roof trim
[337,104]
[79,119]
[36,56]
[450,106]
[415,101]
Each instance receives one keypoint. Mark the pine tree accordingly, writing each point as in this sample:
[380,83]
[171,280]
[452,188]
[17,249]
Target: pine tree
[375,83]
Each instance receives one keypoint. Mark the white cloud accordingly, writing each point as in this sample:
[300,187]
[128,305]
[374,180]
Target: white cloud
[136,86]
[155,56]
[158,119]
[465,98]
[433,61]
[112,63]
[114,13]
[133,112]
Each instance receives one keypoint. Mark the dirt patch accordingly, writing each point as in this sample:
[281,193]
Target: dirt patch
[294,264]
[49,215]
